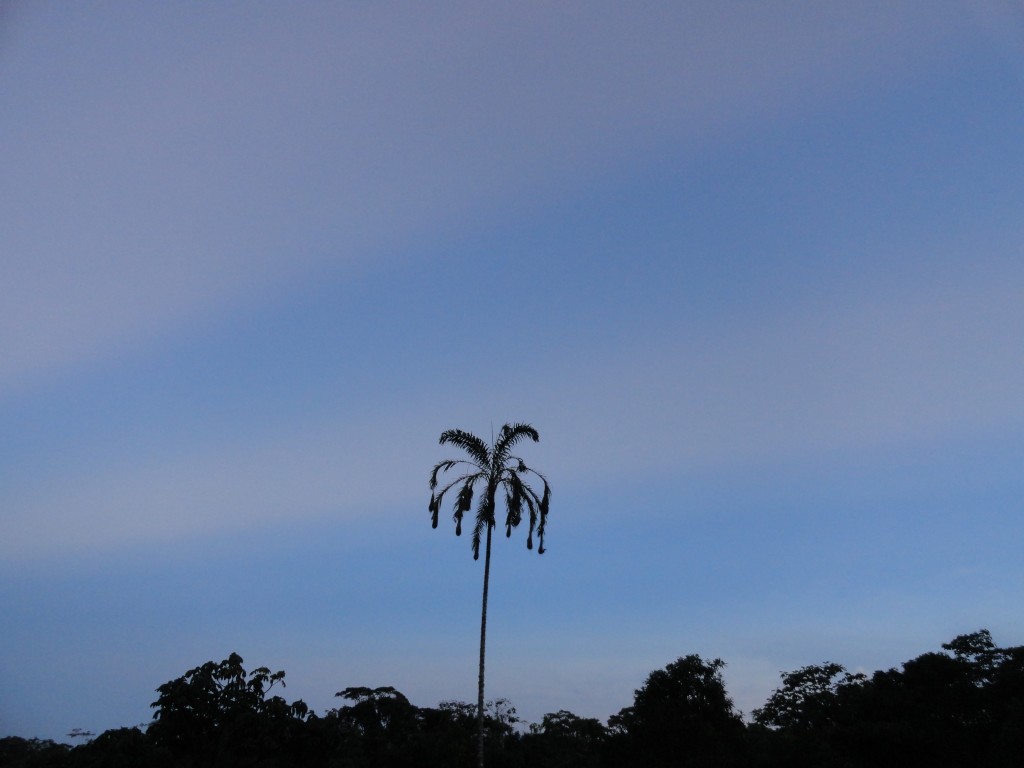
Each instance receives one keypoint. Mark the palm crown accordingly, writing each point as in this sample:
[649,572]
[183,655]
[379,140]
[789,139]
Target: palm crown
[495,468]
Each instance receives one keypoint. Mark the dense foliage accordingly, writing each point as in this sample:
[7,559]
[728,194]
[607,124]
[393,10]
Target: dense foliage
[963,706]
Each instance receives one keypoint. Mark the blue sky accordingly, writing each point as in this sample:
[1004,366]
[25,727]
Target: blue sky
[755,272]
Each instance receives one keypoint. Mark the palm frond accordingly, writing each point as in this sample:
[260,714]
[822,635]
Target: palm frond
[545,500]
[478,530]
[508,437]
[538,505]
[463,501]
[470,443]
[531,504]
[461,479]
[484,519]
[441,466]
[446,465]
[513,503]
[437,498]
[435,506]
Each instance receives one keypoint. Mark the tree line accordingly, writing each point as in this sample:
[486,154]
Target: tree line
[961,706]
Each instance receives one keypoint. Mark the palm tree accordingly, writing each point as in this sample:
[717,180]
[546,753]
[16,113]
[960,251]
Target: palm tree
[494,468]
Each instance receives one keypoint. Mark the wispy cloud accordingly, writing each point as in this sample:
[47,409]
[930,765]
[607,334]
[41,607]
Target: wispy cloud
[854,372]
[187,165]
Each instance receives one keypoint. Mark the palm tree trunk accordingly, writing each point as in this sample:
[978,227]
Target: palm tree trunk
[483,643]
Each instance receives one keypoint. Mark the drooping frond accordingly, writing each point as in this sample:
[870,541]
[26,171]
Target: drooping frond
[470,443]
[531,503]
[513,502]
[441,466]
[484,518]
[464,502]
[508,437]
[533,524]
[436,498]
[543,513]
[433,511]
[538,506]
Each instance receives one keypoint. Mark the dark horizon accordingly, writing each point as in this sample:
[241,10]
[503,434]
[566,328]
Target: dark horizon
[957,707]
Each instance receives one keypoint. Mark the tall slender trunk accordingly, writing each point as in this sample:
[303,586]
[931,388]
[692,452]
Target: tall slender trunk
[483,643]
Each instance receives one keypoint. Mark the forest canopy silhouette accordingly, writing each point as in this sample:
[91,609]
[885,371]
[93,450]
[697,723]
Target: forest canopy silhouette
[961,706]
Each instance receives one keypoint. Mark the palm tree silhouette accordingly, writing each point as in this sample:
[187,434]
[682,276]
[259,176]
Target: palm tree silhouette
[495,468]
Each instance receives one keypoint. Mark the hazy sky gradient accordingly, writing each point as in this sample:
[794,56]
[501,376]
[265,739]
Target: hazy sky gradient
[755,272]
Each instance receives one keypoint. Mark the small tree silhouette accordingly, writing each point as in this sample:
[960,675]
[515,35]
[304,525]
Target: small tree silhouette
[496,469]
